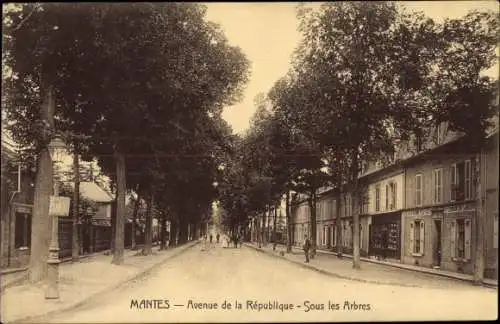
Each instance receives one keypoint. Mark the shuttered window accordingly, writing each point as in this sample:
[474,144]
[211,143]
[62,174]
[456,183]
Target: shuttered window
[418,190]
[461,239]
[437,186]
[417,237]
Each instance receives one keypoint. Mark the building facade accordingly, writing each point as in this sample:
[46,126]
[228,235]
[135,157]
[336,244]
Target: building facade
[490,178]
[440,214]
[380,219]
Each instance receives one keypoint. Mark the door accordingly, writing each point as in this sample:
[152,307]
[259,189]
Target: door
[437,243]
[329,237]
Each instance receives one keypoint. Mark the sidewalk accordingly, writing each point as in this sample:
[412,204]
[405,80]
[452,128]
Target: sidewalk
[373,271]
[79,282]
[14,276]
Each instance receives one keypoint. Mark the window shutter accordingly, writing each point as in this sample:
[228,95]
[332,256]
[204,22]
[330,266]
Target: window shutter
[433,187]
[387,201]
[360,236]
[453,182]
[495,231]
[468,179]
[453,238]
[467,239]
[412,235]
[422,237]
[395,196]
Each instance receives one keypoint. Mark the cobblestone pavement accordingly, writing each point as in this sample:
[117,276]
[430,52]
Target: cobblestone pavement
[77,282]
[267,288]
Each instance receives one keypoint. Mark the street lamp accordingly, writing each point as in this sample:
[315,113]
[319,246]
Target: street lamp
[56,149]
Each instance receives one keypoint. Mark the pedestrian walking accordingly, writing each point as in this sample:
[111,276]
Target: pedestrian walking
[211,237]
[217,237]
[306,247]
[235,240]
[204,243]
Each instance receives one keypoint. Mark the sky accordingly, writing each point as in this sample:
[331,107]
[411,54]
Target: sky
[267,34]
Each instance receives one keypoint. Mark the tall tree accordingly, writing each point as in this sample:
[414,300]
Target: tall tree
[163,94]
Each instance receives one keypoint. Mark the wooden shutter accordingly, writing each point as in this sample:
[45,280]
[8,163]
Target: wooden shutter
[434,186]
[395,195]
[422,237]
[453,238]
[467,229]
[495,231]
[453,182]
[387,201]
[412,236]
[467,179]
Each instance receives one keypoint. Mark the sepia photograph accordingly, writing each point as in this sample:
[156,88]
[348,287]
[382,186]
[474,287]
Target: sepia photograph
[226,162]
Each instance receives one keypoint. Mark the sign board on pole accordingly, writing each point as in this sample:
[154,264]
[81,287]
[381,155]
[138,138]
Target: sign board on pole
[59,206]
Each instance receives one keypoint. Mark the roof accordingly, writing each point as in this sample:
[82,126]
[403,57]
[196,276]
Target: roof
[92,191]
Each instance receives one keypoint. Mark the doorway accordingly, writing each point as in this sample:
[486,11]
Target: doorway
[437,244]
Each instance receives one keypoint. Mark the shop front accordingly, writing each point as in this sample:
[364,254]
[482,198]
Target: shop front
[385,235]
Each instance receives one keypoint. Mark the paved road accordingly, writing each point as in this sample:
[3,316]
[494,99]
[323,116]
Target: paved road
[246,275]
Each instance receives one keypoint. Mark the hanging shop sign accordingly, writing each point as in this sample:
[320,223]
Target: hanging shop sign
[59,206]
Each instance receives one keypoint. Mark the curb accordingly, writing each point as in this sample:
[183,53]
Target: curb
[331,274]
[37,318]
[9,271]
[399,266]
[423,270]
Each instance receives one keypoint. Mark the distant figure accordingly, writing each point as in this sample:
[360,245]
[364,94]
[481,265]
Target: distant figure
[306,246]
[225,241]
[211,238]
[235,240]
[204,243]
[217,237]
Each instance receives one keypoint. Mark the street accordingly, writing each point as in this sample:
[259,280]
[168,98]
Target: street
[194,286]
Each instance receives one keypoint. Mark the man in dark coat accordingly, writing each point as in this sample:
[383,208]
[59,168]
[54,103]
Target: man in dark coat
[306,247]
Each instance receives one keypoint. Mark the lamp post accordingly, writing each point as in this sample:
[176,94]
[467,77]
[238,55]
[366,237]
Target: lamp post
[56,149]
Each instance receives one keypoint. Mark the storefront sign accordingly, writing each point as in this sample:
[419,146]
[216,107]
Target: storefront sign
[23,209]
[59,206]
[425,212]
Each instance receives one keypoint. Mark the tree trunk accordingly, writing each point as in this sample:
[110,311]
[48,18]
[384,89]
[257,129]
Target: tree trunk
[113,225]
[147,250]
[120,209]
[259,231]
[479,263]
[41,221]
[312,206]
[76,206]
[275,239]
[263,230]
[173,232]
[356,261]
[163,244]
[134,220]
[289,224]
[338,225]
[182,229]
